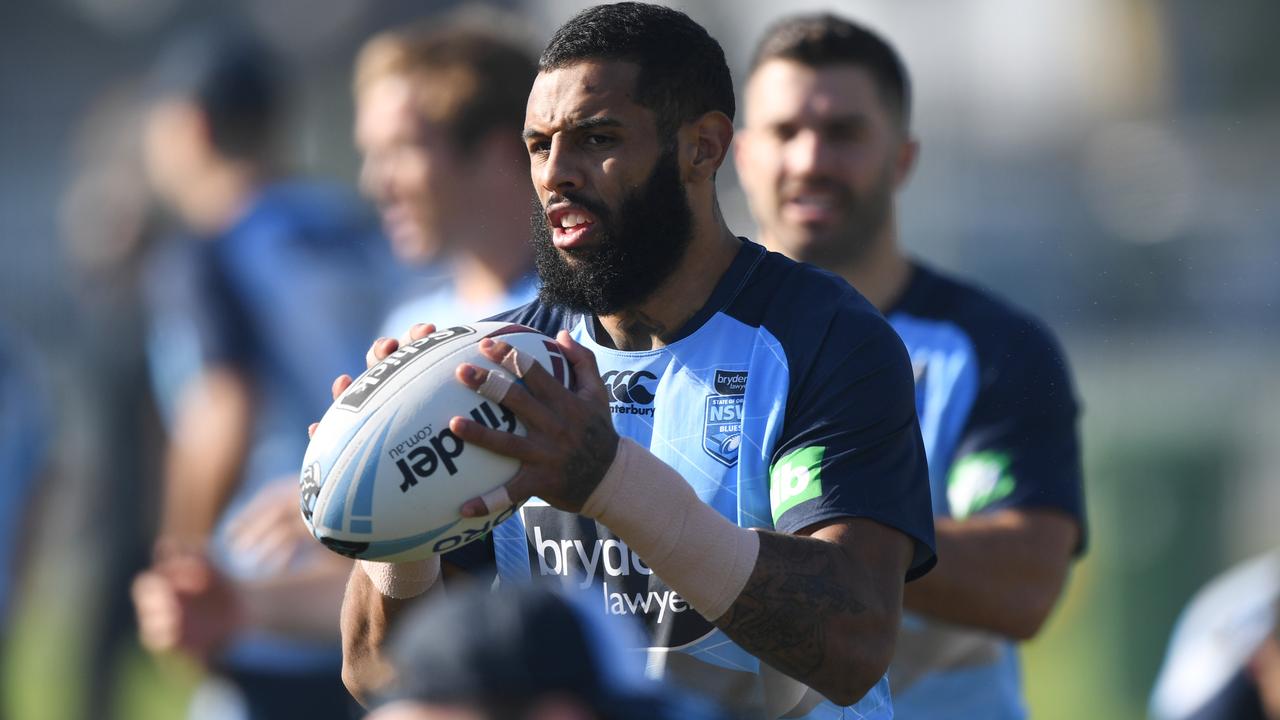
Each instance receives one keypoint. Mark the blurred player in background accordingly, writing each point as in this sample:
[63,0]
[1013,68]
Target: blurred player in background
[524,654]
[439,109]
[1223,661]
[266,298]
[755,492]
[826,145]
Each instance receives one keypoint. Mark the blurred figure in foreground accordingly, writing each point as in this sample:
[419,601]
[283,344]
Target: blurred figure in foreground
[439,112]
[826,145]
[254,313]
[1223,661]
[524,654]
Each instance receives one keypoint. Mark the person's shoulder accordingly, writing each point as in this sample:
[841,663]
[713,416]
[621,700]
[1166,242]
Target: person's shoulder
[312,213]
[304,196]
[799,302]
[824,327]
[998,328]
[546,319]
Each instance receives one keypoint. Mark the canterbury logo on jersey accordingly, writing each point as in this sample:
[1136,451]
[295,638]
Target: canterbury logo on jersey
[627,386]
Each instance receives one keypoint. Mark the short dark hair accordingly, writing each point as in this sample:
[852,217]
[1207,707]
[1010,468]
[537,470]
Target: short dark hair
[683,73]
[825,39]
[473,81]
[234,79]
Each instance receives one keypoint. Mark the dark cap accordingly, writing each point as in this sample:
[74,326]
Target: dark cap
[508,648]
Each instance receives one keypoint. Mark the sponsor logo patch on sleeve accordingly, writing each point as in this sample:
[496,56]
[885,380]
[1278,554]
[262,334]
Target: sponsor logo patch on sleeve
[976,481]
[795,478]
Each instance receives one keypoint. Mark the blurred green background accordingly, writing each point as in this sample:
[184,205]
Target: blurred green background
[1112,165]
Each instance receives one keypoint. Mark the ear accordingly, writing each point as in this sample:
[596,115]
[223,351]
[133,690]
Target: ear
[705,142]
[905,163]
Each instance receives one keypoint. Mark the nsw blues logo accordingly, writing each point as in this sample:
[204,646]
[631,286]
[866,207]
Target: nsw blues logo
[722,418]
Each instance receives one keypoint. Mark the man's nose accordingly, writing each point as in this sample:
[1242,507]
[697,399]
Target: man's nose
[806,153]
[373,177]
[561,171]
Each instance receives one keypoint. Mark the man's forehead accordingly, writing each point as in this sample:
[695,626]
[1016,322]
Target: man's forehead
[786,87]
[573,93]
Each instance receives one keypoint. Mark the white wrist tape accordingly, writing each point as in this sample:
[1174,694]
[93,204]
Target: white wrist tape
[694,549]
[402,581]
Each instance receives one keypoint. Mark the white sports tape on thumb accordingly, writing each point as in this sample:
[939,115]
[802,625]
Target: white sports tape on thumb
[691,547]
[495,387]
[402,581]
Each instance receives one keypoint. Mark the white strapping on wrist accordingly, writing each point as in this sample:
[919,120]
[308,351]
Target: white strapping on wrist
[692,548]
[401,581]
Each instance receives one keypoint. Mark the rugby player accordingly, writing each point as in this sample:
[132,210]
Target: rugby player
[750,482]
[439,109]
[826,145]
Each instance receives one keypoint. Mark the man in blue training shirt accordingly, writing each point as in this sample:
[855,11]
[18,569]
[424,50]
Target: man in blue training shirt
[253,313]
[439,109]
[740,464]
[826,144]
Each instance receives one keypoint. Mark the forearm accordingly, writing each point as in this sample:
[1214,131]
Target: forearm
[303,605]
[206,455]
[367,619]
[809,606]
[1001,572]
[810,612]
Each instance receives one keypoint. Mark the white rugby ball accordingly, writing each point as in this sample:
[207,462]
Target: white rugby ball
[384,478]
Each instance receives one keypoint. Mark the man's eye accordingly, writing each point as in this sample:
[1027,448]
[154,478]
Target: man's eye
[843,132]
[599,140]
[540,147]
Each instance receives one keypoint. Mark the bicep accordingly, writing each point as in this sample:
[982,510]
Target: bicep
[877,555]
[1046,537]
[1020,448]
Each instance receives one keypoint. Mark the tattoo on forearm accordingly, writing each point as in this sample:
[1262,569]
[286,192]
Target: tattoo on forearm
[781,616]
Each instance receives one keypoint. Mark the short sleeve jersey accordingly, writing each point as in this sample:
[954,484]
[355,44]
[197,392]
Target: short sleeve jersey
[784,402]
[998,415]
[288,296]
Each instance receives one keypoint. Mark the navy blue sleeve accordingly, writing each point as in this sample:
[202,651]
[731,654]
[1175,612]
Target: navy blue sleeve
[1020,447]
[851,445]
[195,322]
[311,306]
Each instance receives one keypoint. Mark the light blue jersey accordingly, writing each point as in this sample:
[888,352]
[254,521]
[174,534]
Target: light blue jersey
[998,418]
[439,303]
[786,401]
[288,297]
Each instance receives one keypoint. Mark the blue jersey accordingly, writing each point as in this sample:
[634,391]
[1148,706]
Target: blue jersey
[289,297]
[785,401]
[998,415]
[439,303]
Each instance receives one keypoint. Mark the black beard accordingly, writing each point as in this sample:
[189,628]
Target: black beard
[636,252]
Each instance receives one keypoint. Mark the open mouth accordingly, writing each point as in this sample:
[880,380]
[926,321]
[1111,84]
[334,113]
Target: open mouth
[812,206]
[571,225]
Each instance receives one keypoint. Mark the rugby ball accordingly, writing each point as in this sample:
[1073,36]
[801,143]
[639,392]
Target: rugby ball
[384,478]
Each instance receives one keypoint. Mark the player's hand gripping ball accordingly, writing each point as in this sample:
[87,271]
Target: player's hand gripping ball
[384,477]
